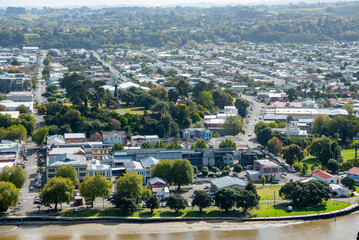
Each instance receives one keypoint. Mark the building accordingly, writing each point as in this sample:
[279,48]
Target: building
[134,166]
[13,114]
[95,137]
[76,161]
[339,191]
[11,83]
[12,106]
[158,187]
[74,137]
[324,176]
[215,123]
[267,168]
[148,164]
[153,139]
[136,141]
[227,183]
[112,137]
[354,173]
[19,96]
[249,155]
[58,150]
[96,167]
[200,133]
[9,153]
[99,151]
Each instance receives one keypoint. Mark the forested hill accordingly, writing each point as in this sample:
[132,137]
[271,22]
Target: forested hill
[178,26]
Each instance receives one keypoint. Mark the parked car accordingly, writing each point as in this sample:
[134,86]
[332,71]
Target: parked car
[38,200]
[190,188]
[206,187]
[275,181]
[343,196]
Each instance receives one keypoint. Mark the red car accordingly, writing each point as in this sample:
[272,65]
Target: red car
[249,135]
[343,196]
[38,201]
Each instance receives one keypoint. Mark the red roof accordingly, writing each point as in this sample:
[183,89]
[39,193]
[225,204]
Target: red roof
[323,174]
[354,170]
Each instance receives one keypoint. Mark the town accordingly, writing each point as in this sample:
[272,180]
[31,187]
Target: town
[198,128]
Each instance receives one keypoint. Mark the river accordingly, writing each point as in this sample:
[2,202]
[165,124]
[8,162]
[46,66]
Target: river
[346,227]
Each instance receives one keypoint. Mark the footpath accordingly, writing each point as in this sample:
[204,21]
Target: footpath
[46,220]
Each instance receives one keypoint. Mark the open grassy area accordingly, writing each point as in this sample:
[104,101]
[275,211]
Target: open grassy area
[310,161]
[348,154]
[267,192]
[133,110]
[267,209]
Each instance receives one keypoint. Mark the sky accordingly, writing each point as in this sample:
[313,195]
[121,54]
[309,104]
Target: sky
[89,3]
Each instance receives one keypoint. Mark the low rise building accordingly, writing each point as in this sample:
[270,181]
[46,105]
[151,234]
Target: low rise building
[354,173]
[267,169]
[19,96]
[74,137]
[324,176]
[96,167]
[339,191]
[200,133]
[112,137]
[228,183]
[249,155]
[158,187]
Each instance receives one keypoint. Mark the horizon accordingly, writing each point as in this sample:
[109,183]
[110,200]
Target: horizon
[148,3]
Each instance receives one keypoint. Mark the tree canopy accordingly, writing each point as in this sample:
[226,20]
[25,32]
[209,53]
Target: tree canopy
[57,190]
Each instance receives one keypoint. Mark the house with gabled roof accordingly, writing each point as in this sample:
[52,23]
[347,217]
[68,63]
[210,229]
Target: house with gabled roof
[324,176]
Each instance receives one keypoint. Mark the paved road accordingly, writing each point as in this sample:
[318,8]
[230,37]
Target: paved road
[41,88]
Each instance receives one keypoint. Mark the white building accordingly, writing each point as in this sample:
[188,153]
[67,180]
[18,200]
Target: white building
[97,167]
[112,137]
[19,96]
[76,161]
[324,176]
[339,190]
[227,182]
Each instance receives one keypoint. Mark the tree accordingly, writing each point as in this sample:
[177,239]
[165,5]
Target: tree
[259,126]
[355,145]
[160,107]
[174,145]
[204,171]
[233,125]
[160,144]
[237,168]
[293,153]
[176,202]
[57,190]
[263,180]
[126,203]
[117,147]
[39,136]
[264,135]
[333,165]
[146,194]
[202,199]
[348,182]
[195,169]
[200,144]
[152,203]
[247,200]
[67,171]
[16,175]
[206,100]
[320,124]
[146,145]
[22,109]
[215,169]
[182,172]
[306,194]
[225,198]
[130,186]
[322,149]
[347,126]
[93,187]
[9,195]
[242,106]
[228,143]
[163,169]
[275,145]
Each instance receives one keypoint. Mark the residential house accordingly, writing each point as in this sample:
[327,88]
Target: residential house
[112,137]
[339,191]
[153,139]
[95,137]
[148,163]
[324,176]
[136,141]
[158,187]
[354,173]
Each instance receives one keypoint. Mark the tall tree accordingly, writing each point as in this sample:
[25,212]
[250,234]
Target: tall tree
[233,125]
[228,143]
[242,106]
[163,170]
[225,198]
[200,144]
[57,190]
[202,199]
[176,202]
[9,195]
[93,187]
[264,135]
[293,153]
[152,203]
[39,136]
[182,172]
[247,200]
[130,186]
[322,149]
[69,172]
[275,145]
[16,175]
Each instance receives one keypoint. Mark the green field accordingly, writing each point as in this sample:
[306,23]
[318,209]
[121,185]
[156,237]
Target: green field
[278,210]
[133,110]
[348,154]
[267,192]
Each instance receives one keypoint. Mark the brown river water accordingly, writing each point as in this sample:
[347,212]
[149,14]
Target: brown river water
[346,227]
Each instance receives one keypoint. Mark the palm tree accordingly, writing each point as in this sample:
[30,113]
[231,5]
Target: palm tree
[355,145]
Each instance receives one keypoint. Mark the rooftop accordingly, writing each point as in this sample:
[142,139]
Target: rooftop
[323,174]
[228,181]
[354,171]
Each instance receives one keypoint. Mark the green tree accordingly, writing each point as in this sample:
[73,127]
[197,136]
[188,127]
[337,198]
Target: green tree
[259,126]
[320,125]
[182,172]
[57,190]
[130,186]
[322,149]
[355,145]
[160,107]
[16,175]
[242,106]
[293,153]
[146,145]
[176,202]
[225,198]
[69,172]
[275,145]
[195,169]
[333,165]
[233,125]
[200,144]
[146,194]
[152,203]
[206,100]
[9,195]
[349,183]
[264,135]
[228,143]
[247,200]
[204,171]
[237,168]
[160,144]
[93,187]
[163,170]
[22,109]
[117,147]
[39,136]
[215,169]
[202,199]
[263,180]
[174,145]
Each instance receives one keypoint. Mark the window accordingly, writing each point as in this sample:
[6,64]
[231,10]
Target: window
[51,170]
[82,174]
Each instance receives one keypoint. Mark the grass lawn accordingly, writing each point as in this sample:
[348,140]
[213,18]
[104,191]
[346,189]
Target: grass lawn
[310,161]
[267,192]
[357,189]
[348,154]
[267,209]
[133,110]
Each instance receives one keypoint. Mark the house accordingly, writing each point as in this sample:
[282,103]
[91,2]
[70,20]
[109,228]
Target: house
[156,182]
[9,153]
[134,166]
[153,139]
[338,190]
[74,137]
[136,141]
[200,133]
[227,182]
[76,161]
[324,176]
[148,163]
[267,168]
[95,137]
[19,96]
[112,137]
[248,156]
[354,173]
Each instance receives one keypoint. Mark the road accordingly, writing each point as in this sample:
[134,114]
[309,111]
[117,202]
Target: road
[40,89]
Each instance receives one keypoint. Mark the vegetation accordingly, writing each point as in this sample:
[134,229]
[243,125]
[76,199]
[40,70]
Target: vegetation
[69,172]
[57,190]
[176,202]
[93,187]
[16,175]
[9,195]
[202,199]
